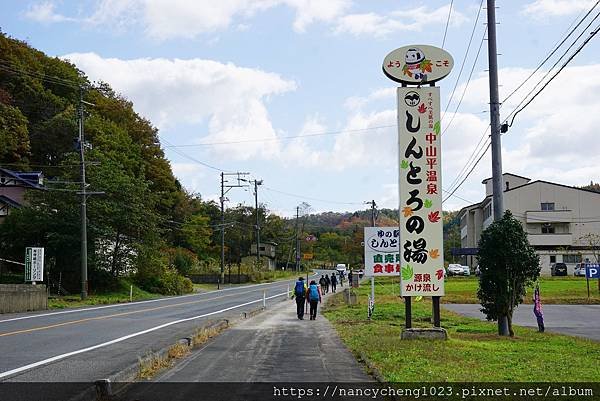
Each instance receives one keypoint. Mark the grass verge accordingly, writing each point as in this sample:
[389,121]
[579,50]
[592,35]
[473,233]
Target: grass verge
[473,352]
[152,364]
[121,295]
[553,290]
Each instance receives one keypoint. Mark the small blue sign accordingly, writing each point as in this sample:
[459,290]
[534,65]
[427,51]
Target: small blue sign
[592,271]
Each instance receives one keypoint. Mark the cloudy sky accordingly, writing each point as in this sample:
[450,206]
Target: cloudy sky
[292,91]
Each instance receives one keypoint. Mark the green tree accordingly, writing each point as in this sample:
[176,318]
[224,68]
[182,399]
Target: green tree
[508,265]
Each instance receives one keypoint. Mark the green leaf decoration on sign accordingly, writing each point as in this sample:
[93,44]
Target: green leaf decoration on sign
[407,272]
[428,203]
[404,164]
[437,127]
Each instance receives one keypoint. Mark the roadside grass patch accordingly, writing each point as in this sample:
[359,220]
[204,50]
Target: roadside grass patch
[473,352]
[115,297]
[553,290]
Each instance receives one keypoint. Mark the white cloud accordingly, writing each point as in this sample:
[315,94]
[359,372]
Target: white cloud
[381,26]
[555,138]
[170,19]
[44,12]
[229,98]
[555,8]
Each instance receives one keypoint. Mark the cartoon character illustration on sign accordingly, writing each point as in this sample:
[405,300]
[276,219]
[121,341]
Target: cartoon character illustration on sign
[416,64]
[412,99]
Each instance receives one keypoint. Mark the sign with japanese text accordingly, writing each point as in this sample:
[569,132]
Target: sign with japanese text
[420,188]
[307,256]
[417,64]
[381,251]
[34,264]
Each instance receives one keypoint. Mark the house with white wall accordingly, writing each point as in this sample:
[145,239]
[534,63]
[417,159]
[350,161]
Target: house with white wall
[558,219]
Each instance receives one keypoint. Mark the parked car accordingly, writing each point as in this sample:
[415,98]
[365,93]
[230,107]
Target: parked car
[579,270]
[558,269]
[454,269]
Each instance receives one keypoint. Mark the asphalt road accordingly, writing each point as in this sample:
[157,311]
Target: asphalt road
[575,320]
[87,344]
[273,349]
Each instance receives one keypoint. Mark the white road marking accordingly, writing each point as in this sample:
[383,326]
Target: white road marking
[120,339]
[136,303]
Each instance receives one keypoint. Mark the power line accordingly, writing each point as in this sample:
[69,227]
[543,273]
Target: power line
[192,158]
[469,173]
[359,130]
[310,198]
[464,60]
[585,42]
[447,23]
[471,158]
[557,46]
[467,84]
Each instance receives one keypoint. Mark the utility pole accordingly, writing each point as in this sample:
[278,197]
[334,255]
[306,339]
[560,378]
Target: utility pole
[84,193]
[297,240]
[84,280]
[224,190]
[497,194]
[498,201]
[256,184]
[373,205]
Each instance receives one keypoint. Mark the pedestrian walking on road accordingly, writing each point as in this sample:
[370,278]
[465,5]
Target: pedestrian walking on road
[313,294]
[350,278]
[333,282]
[323,283]
[327,283]
[300,294]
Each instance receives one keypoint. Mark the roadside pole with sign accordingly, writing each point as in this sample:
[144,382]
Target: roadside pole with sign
[420,245]
[34,264]
[592,270]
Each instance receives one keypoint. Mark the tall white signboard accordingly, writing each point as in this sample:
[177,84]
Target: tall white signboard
[420,190]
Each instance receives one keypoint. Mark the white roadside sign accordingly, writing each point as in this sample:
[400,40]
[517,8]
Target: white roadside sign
[34,264]
[420,191]
[381,251]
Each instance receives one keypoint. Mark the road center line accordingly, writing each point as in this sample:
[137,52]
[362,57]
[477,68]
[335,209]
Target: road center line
[120,339]
[138,302]
[51,326]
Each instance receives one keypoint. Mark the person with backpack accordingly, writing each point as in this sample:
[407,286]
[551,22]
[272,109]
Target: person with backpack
[327,283]
[300,294]
[323,283]
[313,294]
[333,282]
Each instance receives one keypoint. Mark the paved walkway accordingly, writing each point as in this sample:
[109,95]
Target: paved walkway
[576,320]
[272,347]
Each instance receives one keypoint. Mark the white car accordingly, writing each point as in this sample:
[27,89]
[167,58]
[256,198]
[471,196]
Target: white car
[454,269]
[579,270]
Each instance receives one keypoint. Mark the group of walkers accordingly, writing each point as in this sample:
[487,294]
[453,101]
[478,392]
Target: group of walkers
[327,282]
[311,295]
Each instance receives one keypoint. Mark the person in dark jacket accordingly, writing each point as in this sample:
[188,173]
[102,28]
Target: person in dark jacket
[333,282]
[323,283]
[300,294]
[327,283]
[313,294]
